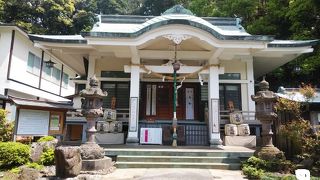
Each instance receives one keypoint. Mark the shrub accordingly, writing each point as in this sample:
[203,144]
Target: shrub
[252,172]
[13,154]
[46,139]
[35,166]
[255,162]
[47,157]
[6,128]
[15,170]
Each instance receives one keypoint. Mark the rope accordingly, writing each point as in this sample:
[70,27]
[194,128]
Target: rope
[164,77]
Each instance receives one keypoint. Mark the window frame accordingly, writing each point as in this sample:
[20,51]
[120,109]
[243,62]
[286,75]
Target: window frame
[31,66]
[224,95]
[116,92]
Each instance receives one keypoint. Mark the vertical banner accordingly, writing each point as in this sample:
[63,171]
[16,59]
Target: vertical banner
[215,115]
[133,114]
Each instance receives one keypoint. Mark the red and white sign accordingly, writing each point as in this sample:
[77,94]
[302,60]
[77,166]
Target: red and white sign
[151,136]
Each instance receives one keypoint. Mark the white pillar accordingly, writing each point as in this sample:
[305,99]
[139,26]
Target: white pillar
[250,78]
[133,129]
[214,114]
[91,68]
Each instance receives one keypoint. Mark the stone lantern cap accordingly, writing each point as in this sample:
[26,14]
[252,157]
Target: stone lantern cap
[264,95]
[93,90]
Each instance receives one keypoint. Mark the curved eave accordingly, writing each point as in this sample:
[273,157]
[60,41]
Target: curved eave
[45,38]
[175,22]
[293,44]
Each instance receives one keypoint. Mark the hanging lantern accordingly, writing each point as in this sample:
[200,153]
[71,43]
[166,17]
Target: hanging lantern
[176,66]
[49,64]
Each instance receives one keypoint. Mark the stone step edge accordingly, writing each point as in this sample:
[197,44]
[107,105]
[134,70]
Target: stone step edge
[178,157]
[179,150]
[178,163]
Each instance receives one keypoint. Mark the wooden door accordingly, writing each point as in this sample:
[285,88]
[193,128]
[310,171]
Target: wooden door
[164,101]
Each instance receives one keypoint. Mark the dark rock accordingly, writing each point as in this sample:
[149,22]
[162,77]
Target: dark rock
[68,161]
[29,174]
[91,151]
[307,163]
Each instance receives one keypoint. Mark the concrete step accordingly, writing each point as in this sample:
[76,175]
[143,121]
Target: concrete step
[186,159]
[118,152]
[232,166]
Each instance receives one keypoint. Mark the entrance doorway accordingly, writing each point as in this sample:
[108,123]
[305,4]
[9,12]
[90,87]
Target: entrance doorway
[157,101]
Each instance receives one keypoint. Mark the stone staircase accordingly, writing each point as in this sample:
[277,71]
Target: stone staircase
[177,158]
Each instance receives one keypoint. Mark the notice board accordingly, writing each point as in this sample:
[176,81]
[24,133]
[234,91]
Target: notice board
[33,122]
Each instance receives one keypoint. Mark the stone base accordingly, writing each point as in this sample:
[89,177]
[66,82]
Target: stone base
[132,141]
[96,164]
[268,153]
[244,141]
[109,138]
[216,144]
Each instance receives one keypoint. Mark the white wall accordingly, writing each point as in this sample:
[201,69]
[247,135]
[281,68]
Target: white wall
[5,40]
[19,63]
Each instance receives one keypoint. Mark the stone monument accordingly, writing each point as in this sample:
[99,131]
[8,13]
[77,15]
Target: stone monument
[110,128]
[92,154]
[265,101]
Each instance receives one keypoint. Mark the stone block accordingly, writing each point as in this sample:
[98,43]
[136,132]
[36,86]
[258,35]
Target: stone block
[29,173]
[91,151]
[68,161]
[96,164]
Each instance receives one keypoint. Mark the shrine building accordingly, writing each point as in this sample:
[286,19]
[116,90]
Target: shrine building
[132,57]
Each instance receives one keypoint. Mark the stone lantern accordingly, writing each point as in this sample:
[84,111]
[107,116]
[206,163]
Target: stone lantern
[92,154]
[265,101]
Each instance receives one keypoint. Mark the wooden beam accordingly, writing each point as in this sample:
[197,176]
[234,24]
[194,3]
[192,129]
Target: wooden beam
[181,55]
[169,69]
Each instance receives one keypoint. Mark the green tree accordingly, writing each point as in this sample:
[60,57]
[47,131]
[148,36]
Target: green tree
[155,7]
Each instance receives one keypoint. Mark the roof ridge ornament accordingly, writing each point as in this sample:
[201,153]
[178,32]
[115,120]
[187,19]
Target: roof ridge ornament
[177,38]
[178,9]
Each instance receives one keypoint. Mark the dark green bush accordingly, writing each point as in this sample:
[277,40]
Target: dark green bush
[279,165]
[47,157]
[252,172]
[13,154]
[46,139]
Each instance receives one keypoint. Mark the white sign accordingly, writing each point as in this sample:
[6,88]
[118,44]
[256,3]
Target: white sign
[215,115]
[189,103]
[133,114]
[151,136]
[33,122]
[302,174]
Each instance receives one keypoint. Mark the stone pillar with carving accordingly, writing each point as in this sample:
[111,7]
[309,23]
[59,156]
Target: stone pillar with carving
[92,154]
[265,101]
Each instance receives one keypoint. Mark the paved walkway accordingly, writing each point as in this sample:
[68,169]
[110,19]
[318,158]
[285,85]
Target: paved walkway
[173,174]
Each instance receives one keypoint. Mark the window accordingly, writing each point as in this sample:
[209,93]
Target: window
[65,79]
[47,72]
[56,73]
[227,92]
[233,76]
[33,64]
[79,87]
[118,90]
[230,92]
[115,74]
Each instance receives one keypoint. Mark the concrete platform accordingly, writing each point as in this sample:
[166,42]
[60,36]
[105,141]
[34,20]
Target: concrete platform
[173,174]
